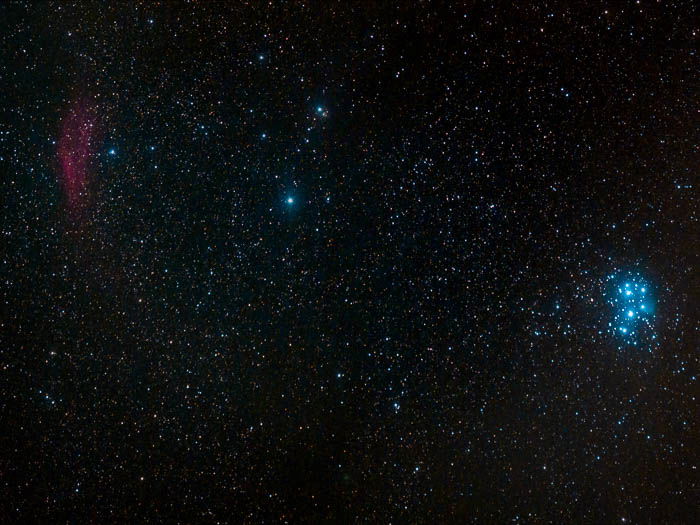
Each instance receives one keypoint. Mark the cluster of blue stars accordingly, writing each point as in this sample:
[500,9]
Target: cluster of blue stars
[633,310]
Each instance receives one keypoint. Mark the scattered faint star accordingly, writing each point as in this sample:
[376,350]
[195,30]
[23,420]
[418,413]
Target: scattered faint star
[502,293]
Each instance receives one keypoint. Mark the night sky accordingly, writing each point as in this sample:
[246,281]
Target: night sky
[376,262]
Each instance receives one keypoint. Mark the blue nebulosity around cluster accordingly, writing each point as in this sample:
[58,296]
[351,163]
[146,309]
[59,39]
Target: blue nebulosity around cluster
[633,309]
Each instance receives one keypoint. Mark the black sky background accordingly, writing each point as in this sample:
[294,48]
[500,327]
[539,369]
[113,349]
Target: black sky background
[422,335]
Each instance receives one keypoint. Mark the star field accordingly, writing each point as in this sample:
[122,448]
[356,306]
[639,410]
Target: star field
[376,262]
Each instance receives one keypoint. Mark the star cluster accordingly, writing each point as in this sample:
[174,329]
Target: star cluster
[633,310]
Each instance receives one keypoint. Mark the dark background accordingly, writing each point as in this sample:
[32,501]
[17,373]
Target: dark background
[422,335]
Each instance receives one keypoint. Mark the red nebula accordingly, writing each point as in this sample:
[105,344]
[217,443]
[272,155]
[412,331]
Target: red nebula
[76,148]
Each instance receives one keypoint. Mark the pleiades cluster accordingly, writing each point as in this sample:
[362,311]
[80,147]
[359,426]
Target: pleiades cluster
[349,262]
[633,305]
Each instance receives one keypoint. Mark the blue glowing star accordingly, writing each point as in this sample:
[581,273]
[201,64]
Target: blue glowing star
[112,151]
[630,314]
[290,200]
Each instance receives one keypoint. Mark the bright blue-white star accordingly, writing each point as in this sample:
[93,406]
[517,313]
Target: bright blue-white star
[290,200]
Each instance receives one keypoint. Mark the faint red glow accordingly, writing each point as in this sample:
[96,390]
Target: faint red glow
[76,149]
